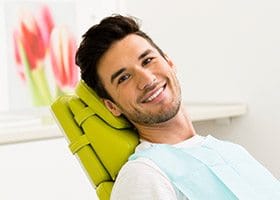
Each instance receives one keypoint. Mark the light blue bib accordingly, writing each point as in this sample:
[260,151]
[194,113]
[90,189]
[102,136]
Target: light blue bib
[216,170]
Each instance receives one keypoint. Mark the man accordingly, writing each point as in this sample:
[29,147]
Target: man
[136,79]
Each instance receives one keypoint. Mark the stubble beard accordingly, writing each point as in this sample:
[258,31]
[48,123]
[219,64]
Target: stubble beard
[163,115]
[137,116]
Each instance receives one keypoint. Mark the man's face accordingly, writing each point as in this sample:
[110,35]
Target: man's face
[141,82]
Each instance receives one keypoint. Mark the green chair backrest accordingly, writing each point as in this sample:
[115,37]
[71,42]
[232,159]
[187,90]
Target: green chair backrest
[101,141]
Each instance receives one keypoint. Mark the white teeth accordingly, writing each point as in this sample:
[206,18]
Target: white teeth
[154,95]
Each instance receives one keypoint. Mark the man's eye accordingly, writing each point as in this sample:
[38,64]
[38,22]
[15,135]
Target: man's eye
[146,61]
[123,78]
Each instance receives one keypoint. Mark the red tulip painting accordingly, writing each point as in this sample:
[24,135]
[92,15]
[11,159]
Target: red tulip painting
[44,51]
[62,50]
[45,23]
[30,51]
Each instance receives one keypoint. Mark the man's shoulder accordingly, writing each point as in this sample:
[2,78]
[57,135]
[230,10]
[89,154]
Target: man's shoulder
[142,166]
[142,179]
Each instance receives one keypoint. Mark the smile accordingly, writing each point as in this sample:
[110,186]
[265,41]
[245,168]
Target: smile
[154,95]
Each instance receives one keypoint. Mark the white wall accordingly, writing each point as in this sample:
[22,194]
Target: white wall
[225,51]
[3,62]
[44,170]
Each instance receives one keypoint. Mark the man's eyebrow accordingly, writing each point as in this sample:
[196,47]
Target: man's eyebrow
[116,74]
[145,53]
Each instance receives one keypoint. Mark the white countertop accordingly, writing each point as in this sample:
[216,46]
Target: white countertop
[214,111]
[39,124]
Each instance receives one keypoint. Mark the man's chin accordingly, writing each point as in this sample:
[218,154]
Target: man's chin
[162,115]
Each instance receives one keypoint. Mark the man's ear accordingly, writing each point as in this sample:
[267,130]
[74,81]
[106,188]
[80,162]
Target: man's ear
[114,109]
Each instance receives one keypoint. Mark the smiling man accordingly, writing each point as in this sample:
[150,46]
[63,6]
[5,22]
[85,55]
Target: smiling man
[136,79]
[144,88]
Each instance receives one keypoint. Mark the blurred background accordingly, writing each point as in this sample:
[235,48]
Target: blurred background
[225,52]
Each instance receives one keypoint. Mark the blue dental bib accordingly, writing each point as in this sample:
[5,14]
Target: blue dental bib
[216,170]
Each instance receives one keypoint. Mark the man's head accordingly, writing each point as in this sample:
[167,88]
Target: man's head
[97,40]
[129,71]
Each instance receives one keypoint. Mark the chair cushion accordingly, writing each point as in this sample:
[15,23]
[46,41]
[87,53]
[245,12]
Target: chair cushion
[101,141]
[112,146]
[92,100]
[73,133]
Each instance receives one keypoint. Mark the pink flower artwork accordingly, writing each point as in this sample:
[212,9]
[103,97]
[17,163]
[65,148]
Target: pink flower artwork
[62,51]
[44,54]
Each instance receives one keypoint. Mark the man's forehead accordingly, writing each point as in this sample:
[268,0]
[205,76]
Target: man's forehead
[131,41]
[131,45]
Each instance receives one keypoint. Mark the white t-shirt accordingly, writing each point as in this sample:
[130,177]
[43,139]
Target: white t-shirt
[141,179]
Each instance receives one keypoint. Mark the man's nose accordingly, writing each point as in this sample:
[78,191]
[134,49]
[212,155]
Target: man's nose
[145,78]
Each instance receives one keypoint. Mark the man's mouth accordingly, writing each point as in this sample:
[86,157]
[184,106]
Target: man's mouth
[154,94]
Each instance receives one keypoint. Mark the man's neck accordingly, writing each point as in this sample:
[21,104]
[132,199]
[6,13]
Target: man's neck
[173,131]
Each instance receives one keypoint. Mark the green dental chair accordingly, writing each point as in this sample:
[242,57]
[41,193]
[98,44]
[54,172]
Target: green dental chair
[101,141]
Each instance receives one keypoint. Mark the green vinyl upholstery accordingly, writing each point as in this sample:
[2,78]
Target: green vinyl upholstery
[101,141]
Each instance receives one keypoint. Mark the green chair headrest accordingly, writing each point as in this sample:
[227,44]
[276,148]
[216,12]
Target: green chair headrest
[101,141]
[90,98]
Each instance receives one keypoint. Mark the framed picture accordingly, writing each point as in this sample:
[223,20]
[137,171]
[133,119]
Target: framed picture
[41,45]
[39,41]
